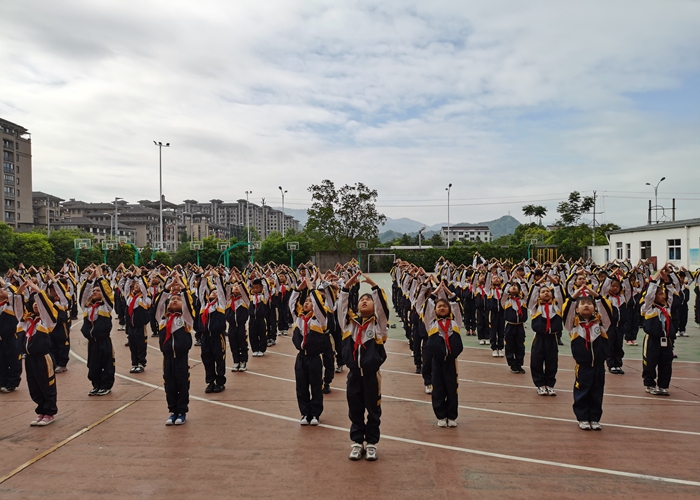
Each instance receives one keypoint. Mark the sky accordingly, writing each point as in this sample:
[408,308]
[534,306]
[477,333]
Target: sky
[511,102]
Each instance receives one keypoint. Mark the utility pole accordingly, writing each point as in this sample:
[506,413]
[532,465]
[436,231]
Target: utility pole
[160,176]
[594,196]
[264,226]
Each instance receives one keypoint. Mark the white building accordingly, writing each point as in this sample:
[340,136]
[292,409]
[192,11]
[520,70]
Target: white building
[677,242]
[467,233]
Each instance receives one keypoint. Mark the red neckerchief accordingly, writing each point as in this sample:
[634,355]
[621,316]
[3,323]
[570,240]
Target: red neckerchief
[444,325]
[32,327]
[616,300]
[587,326]
[132,305]
[517,301]
[306,320]
[667,317]
[256,300]
[546,315]
[282,290]
[584,292]
[169,326]
[93,309]
[361,327]
[497,292]
[205,313]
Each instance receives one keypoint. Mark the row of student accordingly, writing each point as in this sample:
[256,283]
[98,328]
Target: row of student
[552,307]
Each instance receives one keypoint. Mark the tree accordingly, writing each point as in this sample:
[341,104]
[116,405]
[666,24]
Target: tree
[274,248]
[535,211]
[7,254]
[435,240]
[338,218]
[572,209]
[33,249]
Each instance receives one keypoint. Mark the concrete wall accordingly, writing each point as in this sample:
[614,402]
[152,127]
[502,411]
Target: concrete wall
[328,260]
[631,245]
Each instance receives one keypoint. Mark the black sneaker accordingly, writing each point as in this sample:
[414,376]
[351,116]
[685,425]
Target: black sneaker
[93,392]
[154,334]
[210,388]
[520,369]
[7,390]
[418,369]
[326,389]
[198,342]
[514,369]
[218,388]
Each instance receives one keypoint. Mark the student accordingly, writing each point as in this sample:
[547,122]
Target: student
[660,333]
[35,337]
[258,312]
[545,310]
[443,321]
[237,316]
[494,293]
[618,290]
[364,335]
[514,316]
[309,317]
[138,317]
[175,313]
[684,300]
[587,320]
[213,318]
[10,360]
[60,338]
[97,302]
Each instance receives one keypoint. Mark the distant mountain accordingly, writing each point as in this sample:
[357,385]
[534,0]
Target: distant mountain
[500,227]
[403,225]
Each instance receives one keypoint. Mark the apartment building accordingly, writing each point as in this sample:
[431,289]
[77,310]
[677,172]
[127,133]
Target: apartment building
[16,195]
[467,233]
[46,209]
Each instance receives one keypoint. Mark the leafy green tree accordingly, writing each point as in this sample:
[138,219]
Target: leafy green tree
[33,249]
[339,218]
[535,211]
[7,254]
[274,248]
[435,240]
[570,211]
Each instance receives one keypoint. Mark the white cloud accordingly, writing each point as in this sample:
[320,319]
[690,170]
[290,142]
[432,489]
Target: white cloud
[404,98]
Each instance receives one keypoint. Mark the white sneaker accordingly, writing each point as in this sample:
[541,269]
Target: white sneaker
[236,367]
[261,354]
[36,421]
[338,369]
[428,389]
[371,452]
[442,422]
[171,420]
[61,369]
[542,391]
[584,426]
[482,342]
[551,391]
[243,367]
[315,421]
[304,421]
[355,452]
[48,419]
[501,353]
[451,423]
[596,426]
[494,353]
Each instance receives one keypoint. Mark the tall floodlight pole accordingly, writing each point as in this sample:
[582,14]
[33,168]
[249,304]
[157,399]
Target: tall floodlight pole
[656,203]
[116,218]
[247,214]
[284,215]
[264,222]
[48,216]
[160,175]
[448,189]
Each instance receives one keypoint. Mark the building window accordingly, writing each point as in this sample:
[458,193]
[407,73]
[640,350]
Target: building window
[607,254]
[618,250]
[674,249]
[645,249]
[628,248]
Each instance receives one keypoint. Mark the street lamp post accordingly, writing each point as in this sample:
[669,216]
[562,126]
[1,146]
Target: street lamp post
[284,215]
[247,214]
[656,203]
[448,189]
[264,222]
[160,175]
[116,218]
[420,239]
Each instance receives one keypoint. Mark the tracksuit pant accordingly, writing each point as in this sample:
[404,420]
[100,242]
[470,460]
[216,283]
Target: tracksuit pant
[514,340]
[328,359]
[257,331]
[60,344]
[100,362]
[214,357]
[497,329]
[238,341]
[469,315]
[482,324]
[445,384]
[364,394]
[176,382]
[589,386]
[656,359]
[42,383]
[138,343]
[615,339]
[10,362]
[272,319]
[308,372]
[544,359]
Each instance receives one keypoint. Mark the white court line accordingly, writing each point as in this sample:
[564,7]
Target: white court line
[628,396]
[609,472]
[560,353]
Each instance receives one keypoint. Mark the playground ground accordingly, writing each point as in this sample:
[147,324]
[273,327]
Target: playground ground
[246,442]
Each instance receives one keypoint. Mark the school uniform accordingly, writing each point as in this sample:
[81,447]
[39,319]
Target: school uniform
[138,316]
[329,340]
[496,316]
[547,322]
[257,320]
[657,359]
[446,345]
[619,325]
[310,338]
[60,334]
[364,353]
[481,320]
[97,326]
[213,319]
[589,347]
[237,317]
[10,360]
[175,341]
[34,334]
[514,317]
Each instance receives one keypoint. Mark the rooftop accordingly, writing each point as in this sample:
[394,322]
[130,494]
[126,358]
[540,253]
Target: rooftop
[661,225]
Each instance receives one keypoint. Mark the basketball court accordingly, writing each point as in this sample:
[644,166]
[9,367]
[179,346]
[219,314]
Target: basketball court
[246,442]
